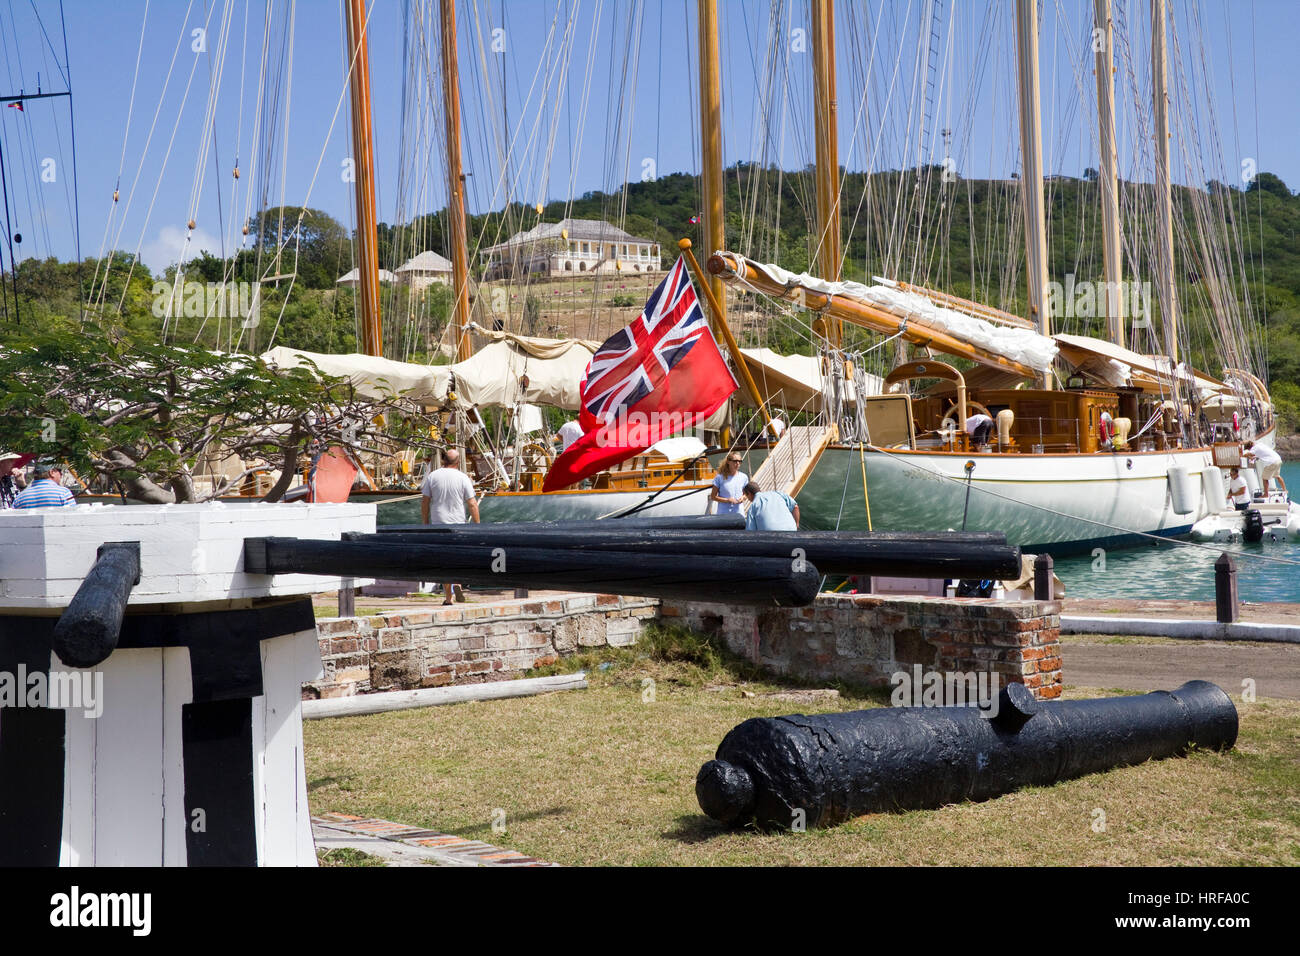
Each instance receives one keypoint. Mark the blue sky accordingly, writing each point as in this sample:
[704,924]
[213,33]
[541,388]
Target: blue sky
[633,67]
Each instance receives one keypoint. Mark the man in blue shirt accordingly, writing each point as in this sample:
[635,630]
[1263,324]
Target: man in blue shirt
[770,510]
[729,486]
[46,491]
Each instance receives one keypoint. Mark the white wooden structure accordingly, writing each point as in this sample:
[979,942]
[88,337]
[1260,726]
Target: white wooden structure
[184,746]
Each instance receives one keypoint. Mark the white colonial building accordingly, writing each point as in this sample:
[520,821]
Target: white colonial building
[569,247]
[419,272]
[353,279]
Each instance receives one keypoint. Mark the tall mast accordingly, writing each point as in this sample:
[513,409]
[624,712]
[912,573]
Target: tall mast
[1109,177]
[1164,200]
[711,139]
[363,155]
[1031,179]
[828,153]
[455,186]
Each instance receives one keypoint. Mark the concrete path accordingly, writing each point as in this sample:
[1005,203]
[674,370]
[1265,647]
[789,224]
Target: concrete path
[1275,669]
[401,845]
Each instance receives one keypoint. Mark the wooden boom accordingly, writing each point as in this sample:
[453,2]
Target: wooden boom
[734,269]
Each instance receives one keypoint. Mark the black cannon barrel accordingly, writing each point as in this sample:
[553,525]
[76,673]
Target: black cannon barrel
[833,552]
[731,522]
[837,766]
[778,582]
[88,629]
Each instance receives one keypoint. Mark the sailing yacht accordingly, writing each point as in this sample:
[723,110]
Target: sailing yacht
[1092,444]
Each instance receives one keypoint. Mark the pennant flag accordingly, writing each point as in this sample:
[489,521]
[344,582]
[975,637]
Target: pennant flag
[654,378]
[696,218]
[16,105]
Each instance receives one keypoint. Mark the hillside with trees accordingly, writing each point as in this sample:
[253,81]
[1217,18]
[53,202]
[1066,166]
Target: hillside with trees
[959,236]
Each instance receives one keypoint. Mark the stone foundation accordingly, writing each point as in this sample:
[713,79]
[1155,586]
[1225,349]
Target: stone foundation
[865,639]
[860,639]
[468,643]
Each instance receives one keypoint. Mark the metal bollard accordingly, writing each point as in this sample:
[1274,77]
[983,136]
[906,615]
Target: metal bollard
[1226,610]
[1043,565]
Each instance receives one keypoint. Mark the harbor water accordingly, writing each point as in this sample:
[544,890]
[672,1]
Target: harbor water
[1184,570]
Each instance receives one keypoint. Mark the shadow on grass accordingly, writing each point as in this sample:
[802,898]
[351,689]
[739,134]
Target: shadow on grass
[696,828]
[485,832]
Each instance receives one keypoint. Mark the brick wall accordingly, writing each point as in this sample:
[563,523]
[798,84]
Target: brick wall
[865,639]
[857,638]
[468,643]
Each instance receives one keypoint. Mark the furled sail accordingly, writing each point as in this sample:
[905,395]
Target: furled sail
[891,310]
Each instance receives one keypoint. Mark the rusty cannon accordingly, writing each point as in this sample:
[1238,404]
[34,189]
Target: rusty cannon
[784,772]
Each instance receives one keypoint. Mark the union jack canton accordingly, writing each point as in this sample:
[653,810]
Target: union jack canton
[636,360]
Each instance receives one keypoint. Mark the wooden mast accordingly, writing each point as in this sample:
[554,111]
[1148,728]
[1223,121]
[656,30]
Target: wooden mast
[1031,181]
[828,154]
[1109,173]
[1164,201]
[711,140]
[455,186]
[372,342]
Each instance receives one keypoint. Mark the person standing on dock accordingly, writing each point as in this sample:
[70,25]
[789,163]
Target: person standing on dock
[1268,463]
[770,510]
[729,486]
[1238,491]
[444,496]
[46,490]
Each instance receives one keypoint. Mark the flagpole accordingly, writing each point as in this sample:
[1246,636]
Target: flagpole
[750,386]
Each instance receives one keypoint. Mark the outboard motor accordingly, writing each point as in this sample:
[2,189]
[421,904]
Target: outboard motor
[1252,529]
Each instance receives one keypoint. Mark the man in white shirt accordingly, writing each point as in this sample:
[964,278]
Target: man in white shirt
[729,486]
[1238,490]
[569,433]
[1268,463]
[444,496]
[978,427]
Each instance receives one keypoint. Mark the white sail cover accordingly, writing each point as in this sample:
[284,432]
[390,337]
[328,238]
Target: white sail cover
[1018,345]
[372,376]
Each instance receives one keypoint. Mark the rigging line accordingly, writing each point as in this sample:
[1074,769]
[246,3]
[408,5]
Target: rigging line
[9,232]
[1062,514]
[72,134]
[149,137]
[126,132]
[41,24]
[316,172]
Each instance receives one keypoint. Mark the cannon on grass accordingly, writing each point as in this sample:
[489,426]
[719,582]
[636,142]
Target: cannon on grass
[824,769]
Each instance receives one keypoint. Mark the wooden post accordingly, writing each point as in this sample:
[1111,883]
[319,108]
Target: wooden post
[721,321]
[825,113]
[347,602]
[363,156]
[1108,178]
[1226,610]
[455,187]
[1031,179]
[711,137]
[1043,565]
[1164,231]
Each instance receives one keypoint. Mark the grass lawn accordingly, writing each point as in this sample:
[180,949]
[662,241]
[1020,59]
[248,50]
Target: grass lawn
[607,776]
